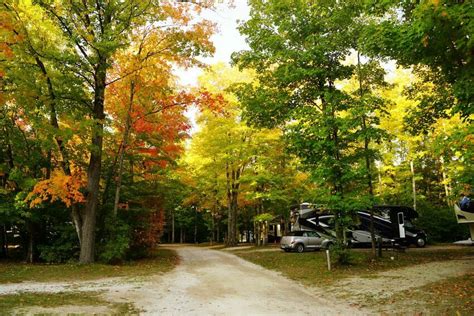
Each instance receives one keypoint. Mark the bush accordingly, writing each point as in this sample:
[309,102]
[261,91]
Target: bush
[342,253]
[440,224]
[147,232]
[115,242]
[61,244]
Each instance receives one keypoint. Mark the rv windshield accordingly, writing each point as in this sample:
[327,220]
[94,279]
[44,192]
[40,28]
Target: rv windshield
[408,223]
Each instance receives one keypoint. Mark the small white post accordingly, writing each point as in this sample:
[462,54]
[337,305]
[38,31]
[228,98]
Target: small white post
[329,259]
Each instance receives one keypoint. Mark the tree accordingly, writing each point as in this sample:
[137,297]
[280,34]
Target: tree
[74,50]
[93,32]
[368,106]
[296,50]
[431,35]
[145,101]
[226,154]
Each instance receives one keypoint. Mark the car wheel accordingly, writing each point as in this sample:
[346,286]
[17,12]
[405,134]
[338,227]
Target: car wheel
[300,248]
[420,242]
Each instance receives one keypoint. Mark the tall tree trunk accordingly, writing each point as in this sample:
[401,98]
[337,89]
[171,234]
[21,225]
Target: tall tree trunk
[368,167]
[195,224]
[218,231]
[30,257]
[413,183]
[447,190]
[110,174]
[213,230]
[95,165]
[4,243]
[128,124]
[367,161]
[255,232]
[234,239]
[172,226]
[338,191]
[229,205]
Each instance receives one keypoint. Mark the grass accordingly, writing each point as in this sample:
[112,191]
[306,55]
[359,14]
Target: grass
[310,268]
[24,301]
[162,260]
[453,296]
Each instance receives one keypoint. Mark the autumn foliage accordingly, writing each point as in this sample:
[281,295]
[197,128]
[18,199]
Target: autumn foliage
[59,187]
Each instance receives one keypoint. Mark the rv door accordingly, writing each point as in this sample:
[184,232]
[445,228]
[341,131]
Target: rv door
[401,225]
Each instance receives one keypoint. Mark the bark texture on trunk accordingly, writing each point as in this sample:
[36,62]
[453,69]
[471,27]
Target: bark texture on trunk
[126,133]
[172,227]
[413,183]
[95,166]
[4,241]
[367,162]
[30,253]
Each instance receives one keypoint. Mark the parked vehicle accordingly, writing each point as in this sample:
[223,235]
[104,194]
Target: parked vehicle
[391,223]
[301,241]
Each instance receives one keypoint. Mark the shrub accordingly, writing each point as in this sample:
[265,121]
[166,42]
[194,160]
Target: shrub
[60,245]
[115,243]
[440,223]
[147,233]
[342,253]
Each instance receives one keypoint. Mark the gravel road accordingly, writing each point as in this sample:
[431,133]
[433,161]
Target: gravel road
[209,282]
[206,282]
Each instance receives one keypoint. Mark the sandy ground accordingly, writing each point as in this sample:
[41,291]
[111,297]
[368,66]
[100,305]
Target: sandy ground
[207,282]
[210,282]
[385,284]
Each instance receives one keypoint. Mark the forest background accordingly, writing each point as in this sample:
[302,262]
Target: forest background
[96,157]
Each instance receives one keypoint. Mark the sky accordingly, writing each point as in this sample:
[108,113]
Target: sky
[227,39]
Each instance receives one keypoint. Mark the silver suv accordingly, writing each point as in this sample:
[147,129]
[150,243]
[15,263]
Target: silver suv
[305,240]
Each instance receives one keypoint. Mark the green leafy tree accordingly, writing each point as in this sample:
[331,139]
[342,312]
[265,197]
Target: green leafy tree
[297,48]
[434,36]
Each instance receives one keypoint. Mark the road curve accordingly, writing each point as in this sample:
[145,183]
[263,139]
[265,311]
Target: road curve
[210,282]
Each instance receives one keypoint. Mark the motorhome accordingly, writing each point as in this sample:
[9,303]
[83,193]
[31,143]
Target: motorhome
[391,223]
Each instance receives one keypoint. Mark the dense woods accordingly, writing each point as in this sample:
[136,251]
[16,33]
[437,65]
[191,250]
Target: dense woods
[347,104]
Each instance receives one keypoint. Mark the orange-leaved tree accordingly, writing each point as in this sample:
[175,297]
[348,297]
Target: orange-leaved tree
[146,106]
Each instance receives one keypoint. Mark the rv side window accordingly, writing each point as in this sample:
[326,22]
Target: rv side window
[400,218]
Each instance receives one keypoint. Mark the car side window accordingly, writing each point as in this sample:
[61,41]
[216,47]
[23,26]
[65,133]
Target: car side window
[305,234]
[313,234]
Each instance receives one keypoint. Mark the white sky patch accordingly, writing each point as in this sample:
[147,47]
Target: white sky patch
[226,41]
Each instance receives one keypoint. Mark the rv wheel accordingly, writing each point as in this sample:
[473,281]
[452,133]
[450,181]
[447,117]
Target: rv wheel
[300,248]
[420,242]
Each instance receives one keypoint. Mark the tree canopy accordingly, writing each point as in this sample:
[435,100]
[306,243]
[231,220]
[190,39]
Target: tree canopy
[346,104]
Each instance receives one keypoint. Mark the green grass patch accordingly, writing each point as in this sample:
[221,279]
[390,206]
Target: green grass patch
[311,268]
[162,260]
[22,302]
